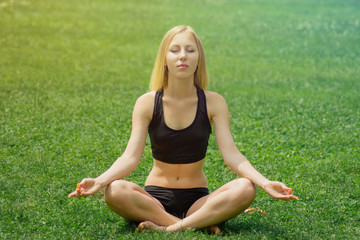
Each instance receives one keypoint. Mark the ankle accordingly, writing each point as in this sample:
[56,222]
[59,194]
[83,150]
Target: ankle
[170,228]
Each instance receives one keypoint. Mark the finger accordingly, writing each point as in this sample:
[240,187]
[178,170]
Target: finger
[84,182]
[76,193]
[279,195]
[285,188]
[87,192]
[294,198]
[73,194]
[290,197]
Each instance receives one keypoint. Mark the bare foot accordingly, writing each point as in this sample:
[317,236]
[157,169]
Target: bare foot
[214,229]
[149,226]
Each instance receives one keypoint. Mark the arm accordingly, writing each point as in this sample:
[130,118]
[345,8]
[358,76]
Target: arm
[219,115]
[130,159]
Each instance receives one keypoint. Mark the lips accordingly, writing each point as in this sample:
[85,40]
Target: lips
[182,66]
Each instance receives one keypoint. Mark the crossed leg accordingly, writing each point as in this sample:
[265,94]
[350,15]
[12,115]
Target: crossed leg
[132,202]
[221,205]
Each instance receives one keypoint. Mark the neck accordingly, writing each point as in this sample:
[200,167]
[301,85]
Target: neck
[180,88]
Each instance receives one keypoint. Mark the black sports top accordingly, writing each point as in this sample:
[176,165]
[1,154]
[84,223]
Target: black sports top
[182,146]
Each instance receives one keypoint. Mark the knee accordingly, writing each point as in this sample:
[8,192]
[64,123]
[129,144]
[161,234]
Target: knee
[245,190]
[116,191]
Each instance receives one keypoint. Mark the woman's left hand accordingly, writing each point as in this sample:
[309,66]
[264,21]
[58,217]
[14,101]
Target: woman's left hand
[278,190]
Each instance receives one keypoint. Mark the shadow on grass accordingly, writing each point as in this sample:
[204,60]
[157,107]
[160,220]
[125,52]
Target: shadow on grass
[249,229]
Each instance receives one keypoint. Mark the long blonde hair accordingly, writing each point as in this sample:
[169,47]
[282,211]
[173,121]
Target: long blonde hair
[159,77]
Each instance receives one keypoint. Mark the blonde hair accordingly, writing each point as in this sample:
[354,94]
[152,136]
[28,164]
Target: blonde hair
[159,77]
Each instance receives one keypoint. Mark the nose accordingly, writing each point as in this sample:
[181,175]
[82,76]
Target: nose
[182,54]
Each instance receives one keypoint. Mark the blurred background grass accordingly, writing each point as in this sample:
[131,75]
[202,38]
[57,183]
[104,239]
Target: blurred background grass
[70,72]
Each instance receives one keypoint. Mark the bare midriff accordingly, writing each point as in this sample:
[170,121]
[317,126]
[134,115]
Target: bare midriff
[167,175]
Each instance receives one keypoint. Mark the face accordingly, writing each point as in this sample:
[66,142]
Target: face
[182,56]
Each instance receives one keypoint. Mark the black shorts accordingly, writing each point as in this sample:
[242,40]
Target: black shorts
[177,201]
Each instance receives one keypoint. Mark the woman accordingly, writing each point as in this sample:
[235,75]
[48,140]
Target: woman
[179,114]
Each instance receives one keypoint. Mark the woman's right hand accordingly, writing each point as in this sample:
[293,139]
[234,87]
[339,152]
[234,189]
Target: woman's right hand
[87,187]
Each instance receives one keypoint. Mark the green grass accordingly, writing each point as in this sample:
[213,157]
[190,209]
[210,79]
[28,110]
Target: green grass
[70,72]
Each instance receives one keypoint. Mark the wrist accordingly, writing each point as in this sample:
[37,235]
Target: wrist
[102,182]
[263,184]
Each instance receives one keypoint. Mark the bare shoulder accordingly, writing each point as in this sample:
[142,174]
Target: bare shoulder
[215,103]
[213,96]
[214,99]
[146,98]
[145,104]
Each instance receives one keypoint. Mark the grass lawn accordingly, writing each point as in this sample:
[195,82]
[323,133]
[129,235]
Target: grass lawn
[70,72]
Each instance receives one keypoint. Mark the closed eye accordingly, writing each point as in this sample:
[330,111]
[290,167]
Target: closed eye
[174,50]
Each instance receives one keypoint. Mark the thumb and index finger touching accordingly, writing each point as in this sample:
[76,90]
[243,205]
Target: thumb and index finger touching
[283,192]
[81,189]
[288,194]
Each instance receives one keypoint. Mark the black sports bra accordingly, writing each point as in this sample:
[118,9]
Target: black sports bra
[182,146]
